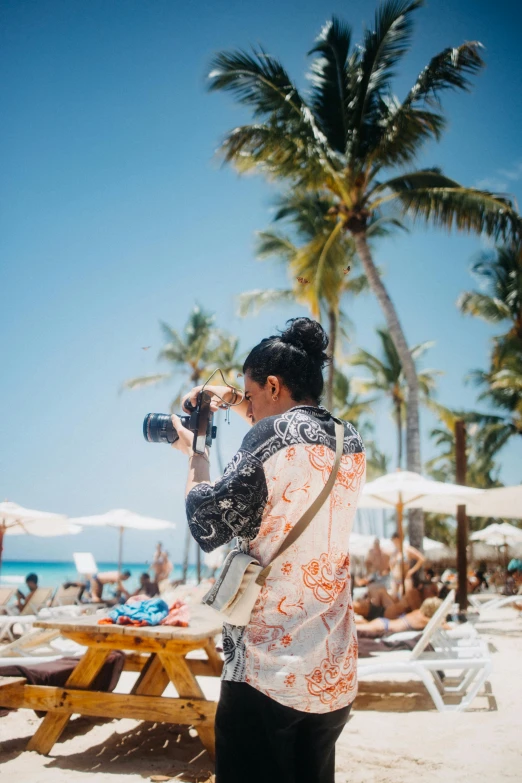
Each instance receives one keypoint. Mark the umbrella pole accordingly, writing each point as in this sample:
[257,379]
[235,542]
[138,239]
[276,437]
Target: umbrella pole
[120,551]
[400,517]
[2,530]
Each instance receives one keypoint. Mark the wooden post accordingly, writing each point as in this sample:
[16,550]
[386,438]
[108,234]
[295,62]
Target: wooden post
[400,530]
[462,520]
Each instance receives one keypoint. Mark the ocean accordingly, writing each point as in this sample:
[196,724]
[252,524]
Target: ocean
[53,573]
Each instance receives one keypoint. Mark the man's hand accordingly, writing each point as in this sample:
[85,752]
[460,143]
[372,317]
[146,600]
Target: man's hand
[217,395]
[186,437]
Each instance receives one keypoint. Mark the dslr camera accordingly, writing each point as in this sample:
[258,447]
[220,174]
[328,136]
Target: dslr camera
[158,427]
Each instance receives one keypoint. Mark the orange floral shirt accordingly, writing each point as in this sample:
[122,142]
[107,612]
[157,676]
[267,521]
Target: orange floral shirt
[300,647]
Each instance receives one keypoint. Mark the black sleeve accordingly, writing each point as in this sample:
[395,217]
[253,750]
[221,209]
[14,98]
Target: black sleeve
[232,507]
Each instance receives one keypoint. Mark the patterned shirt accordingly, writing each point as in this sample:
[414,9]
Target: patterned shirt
[300,646]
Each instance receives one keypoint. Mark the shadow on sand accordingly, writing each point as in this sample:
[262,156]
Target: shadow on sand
[147,750]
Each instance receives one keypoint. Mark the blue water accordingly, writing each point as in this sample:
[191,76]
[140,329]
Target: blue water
[52,574]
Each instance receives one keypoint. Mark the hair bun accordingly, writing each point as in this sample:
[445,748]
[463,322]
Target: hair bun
[307,335]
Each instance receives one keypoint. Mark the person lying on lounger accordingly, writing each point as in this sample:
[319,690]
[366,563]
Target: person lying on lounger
[379,603]
[411,621]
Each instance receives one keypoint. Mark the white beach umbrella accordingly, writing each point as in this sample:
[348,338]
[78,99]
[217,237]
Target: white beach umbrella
[412,490]
[499,535]
[18,521]
[502,502]
[122,519]
[404,489]
[360,545]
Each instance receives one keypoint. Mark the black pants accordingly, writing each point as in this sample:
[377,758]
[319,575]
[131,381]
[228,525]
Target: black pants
[259,740]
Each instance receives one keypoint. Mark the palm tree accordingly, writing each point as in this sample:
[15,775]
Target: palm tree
[348,132]
[352,407]
[500,274]
[387,378]
[501,302]
[320,285]
[196,352]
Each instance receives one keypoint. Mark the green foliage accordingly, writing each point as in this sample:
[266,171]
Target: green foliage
[500,302]
[336,138]
[358,410]
[194,353]
[385,377]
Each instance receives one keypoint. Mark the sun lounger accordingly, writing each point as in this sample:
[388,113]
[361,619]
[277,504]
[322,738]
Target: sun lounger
[67,596]
[6,594]
[27,616]
[493,603]
[472,661]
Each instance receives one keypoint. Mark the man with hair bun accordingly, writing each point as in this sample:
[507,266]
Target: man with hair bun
[290,675]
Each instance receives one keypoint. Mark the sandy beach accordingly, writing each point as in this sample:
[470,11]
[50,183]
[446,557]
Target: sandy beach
[394,734]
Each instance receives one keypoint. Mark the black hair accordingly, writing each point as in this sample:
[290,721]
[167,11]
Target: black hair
[145,575]
[395,534]
[126,573]
[32,578]
[297,356]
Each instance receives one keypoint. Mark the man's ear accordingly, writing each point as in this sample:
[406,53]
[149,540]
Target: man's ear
[274,385]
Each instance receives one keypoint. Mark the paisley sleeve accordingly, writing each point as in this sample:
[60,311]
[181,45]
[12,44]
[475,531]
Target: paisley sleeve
[231,507]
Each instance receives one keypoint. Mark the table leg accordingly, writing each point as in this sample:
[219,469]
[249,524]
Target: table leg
[187,686]
[153,678]
[214,657]
[54,723]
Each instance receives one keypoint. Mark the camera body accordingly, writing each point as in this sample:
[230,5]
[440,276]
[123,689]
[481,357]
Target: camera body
[158,427]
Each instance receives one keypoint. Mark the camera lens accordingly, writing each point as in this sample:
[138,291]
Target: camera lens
[158,428]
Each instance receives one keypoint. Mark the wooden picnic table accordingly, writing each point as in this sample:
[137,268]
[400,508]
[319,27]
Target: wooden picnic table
[158,653]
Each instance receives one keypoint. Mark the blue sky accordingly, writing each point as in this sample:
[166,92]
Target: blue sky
[115,214]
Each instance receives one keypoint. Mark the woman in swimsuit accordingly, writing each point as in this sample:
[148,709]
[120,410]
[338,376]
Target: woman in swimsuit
[412,621]
[400,565]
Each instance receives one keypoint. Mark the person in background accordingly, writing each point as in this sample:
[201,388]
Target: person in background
[98,582]
[147,586]
[403,565]
[161,564]
[378,565]
[417,620]
[31,580]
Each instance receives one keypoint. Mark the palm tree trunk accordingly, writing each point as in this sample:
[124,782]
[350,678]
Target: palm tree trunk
[332,327]
[398,416]
[413,457]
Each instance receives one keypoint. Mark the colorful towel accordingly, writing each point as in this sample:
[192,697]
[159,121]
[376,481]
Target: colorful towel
[141,613]
[179,615]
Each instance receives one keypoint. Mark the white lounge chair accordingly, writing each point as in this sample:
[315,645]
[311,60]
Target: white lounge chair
[27,616]
[491,603]
[471,660]
[6,594]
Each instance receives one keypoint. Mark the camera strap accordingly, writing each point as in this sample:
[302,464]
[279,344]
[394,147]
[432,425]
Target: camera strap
[301,525]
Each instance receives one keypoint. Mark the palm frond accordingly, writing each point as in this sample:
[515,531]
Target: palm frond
[145,380]
[448,70]
[273,243]
[483,306]
[330,85]
[259,81]
[430,196]
[383,46]
[251,302]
